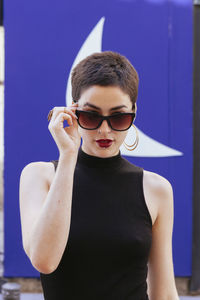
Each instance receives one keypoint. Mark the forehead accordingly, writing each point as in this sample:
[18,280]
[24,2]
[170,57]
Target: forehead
[105,97]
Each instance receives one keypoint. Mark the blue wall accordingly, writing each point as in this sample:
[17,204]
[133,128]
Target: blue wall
[42,39]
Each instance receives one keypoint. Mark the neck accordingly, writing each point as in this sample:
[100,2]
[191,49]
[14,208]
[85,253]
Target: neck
[99,162]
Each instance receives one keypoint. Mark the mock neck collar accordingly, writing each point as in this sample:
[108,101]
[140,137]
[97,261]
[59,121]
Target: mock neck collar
[99,162]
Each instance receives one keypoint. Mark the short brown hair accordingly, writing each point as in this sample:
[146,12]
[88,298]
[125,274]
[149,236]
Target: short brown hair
[104,69]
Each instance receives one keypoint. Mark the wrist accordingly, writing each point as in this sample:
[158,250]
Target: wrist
[69,156]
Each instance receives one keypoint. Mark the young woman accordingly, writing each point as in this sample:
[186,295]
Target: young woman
[96,226]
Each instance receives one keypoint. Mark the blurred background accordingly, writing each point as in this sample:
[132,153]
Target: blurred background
[40,42]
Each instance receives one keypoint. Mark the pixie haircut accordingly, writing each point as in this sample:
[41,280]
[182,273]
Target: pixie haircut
[106,68]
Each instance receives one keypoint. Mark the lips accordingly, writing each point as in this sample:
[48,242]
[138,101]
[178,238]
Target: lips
[104,142]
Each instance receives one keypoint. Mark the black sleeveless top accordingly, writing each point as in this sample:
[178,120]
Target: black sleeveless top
[110,234]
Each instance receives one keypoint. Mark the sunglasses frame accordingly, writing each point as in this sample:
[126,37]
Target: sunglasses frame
[107,118]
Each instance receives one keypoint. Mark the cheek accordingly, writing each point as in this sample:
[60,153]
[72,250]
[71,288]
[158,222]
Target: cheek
[86,134]
[79,130]
[122,135]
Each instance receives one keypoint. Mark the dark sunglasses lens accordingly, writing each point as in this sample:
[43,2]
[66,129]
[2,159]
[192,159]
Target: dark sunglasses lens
[121,122]
[88,120]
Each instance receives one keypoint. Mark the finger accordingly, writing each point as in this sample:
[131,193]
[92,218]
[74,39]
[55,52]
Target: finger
[72,128]
[57,110]
[73,124]
[73,106]
[71,111]
[53,113]
[50,115]
[61,118]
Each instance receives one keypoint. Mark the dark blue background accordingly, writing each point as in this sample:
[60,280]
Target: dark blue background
[42,39]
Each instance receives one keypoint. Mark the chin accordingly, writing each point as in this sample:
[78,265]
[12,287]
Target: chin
[106,152]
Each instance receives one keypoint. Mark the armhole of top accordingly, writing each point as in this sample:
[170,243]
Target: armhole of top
[143,196]
[54,163]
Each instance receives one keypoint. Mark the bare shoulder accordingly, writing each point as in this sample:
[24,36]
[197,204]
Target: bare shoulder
[156,181]
[42,169]
[34,184]
[157,189]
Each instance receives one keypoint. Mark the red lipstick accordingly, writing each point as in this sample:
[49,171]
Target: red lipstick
[104,143]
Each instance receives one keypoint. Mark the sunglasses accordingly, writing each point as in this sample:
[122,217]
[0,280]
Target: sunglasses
[92,120]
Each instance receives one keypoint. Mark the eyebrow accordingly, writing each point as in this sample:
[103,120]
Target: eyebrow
[96,107]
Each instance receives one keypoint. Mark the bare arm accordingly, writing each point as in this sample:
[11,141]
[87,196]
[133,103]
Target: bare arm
[46,214]
[161,282]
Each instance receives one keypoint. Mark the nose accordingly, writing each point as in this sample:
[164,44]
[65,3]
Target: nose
[105,126]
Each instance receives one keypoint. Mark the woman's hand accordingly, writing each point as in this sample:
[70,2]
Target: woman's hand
[68,138]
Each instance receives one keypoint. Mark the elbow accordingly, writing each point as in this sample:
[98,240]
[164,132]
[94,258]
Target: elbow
[171,296]
[42,265]
[39,262]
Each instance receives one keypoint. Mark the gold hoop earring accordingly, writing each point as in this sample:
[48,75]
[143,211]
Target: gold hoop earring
[134,145]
